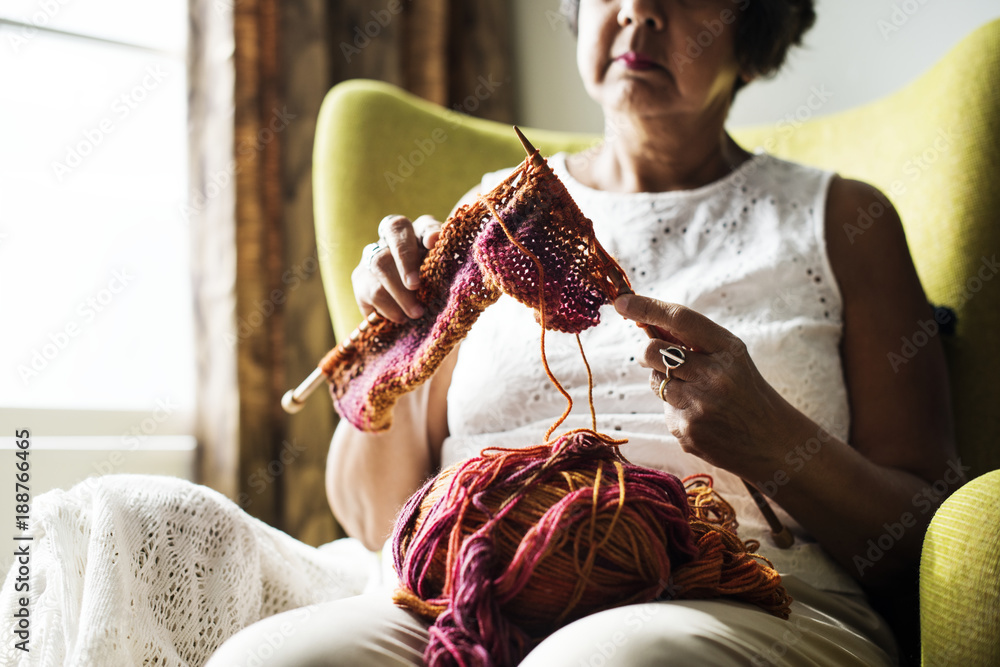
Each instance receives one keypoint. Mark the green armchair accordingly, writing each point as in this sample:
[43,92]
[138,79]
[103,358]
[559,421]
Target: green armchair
[932,147]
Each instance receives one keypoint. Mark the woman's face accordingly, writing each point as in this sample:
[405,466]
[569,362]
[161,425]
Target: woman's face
[659,57]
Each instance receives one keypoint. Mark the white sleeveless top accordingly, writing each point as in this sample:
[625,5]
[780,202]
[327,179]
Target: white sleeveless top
[747,251]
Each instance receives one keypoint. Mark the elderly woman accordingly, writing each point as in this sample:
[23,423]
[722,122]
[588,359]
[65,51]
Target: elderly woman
[743,260]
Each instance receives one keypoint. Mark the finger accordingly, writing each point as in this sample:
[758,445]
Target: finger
[385,269]
[692,329]
[406,249]
[368,291]
[654,331]
[661,390]
[428,230]
[674,394]
[387,307]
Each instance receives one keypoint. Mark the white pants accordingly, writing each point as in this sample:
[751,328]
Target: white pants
[824,629]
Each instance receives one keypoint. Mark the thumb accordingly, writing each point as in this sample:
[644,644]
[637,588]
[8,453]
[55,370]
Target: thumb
[431,237]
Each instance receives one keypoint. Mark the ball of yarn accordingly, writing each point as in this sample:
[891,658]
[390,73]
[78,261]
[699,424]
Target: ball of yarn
[504,548]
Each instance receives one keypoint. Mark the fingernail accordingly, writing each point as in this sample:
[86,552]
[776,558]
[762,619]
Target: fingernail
[417,312]
[621,303]
[413,279]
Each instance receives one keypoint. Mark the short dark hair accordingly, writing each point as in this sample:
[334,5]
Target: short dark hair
[765,31]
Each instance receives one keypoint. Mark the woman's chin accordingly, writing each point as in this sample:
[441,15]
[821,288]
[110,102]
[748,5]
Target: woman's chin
[640,98]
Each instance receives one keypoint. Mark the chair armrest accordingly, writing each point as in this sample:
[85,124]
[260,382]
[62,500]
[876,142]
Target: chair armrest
[960,578]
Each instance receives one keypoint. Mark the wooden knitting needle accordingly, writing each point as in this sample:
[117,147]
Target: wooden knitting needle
[536,158]
[294,399]
[780,534]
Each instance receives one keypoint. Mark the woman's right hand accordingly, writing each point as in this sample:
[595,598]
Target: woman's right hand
[386,283]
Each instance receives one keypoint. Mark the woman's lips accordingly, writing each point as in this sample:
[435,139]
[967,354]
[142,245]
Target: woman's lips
[637,61]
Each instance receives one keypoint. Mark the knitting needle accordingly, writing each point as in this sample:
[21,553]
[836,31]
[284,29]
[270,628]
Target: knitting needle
[294,399]
[536,158]
[780,534]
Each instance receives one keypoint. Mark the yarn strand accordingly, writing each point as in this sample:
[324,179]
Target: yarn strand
[590,384]
[541,319]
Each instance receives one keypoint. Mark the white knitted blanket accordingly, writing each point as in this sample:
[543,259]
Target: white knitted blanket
[130,570]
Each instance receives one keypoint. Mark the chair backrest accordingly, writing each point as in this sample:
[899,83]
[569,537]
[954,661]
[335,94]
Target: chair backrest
[932,147]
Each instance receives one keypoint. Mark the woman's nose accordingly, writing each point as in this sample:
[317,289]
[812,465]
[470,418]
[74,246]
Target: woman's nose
[641,12]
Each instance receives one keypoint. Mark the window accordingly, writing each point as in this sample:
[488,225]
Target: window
[98,345]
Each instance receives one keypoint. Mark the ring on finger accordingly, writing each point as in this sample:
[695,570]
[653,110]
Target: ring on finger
[672,357]
[663,385]
[370,251]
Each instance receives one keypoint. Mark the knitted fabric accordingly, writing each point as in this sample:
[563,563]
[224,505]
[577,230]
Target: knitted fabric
[130,570]
[480,254]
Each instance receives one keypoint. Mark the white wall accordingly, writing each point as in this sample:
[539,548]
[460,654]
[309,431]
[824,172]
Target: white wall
[859,50]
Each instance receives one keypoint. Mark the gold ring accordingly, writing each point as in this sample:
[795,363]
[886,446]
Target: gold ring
[663,385]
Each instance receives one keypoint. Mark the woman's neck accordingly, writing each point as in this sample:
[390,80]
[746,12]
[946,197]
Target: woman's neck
[657,157]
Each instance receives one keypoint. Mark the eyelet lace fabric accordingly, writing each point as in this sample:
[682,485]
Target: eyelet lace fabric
[747,251]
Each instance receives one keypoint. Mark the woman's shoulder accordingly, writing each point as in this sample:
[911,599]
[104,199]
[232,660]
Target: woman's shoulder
[862,225]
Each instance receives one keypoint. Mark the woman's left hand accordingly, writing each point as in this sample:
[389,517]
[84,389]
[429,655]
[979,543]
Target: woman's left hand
[716,403]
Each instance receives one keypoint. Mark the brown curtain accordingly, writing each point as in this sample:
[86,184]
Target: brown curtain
[286,56]
[209,213]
